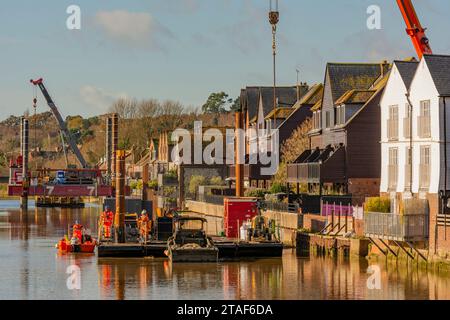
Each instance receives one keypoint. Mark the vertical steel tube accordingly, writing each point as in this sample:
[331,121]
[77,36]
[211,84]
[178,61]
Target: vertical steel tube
[239,165]
[109,125]
[25,148]
[115,143]
[119,218]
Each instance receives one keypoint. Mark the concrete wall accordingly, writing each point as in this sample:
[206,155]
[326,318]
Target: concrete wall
[205,208]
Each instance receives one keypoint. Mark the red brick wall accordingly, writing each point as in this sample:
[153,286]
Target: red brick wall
[364,187]
[439,236]
[313,222]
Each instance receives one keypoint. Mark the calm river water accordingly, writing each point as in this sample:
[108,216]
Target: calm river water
[30,268]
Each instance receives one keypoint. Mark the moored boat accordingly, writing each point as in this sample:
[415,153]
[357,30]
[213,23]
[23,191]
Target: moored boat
[190,243]
[81,241]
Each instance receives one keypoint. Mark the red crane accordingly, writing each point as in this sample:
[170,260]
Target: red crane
[414,29]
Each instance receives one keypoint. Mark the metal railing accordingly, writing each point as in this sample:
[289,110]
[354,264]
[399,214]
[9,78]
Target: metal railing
[282,207]
[391,226]
[424,126]
[304,172]
[212,199]
[392,126]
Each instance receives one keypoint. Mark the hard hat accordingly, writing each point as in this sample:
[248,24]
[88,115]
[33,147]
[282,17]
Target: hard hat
[144,212]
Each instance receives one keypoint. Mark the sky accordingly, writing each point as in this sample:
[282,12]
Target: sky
[186,49]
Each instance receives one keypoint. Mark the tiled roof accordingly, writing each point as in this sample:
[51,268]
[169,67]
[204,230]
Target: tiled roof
[287,97]
[311,97]
[355,97]
[317,106]
[439,66]
[407,69]
[280,113]
[377,89]
[353,76]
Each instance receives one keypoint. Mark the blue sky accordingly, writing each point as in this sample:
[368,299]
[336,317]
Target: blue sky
[186,49]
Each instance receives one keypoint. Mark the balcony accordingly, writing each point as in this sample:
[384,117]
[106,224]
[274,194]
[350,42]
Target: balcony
[424,127]
[251,172]
[407,128]
[392,126]
[327,165]
[390,226]
[303,173]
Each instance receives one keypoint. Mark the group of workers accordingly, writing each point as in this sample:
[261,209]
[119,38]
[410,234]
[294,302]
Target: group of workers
[143,224]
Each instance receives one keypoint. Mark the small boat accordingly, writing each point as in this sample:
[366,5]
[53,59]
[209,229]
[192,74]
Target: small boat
[189,242]
[81,241]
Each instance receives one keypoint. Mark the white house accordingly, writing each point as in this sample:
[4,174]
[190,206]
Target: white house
[395,125]
[415,163]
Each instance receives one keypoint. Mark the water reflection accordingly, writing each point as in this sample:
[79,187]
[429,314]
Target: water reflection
[30,268]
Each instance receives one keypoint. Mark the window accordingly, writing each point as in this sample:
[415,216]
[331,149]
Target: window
[340,115]
[392,168]
[424,120]
[425,168]
[392,123]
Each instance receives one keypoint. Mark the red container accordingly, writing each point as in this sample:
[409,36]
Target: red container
[237,211]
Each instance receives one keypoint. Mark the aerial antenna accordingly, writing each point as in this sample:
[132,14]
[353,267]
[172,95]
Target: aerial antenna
[298,83]
[274,18]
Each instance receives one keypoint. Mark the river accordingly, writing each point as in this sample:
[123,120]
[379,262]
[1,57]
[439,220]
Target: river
[31,268]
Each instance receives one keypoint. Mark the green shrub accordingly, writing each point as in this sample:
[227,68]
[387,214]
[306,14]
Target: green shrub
[378,204]
[153,184]
[278,188]
[195,182]
[171,174]
[255,193]
[217,181]
[133,185]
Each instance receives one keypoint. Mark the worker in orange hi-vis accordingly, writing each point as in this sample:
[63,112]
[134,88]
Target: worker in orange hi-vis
[107,219]
[144,225]
[78,232]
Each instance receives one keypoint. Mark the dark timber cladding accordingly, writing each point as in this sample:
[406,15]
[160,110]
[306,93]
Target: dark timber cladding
[346,144]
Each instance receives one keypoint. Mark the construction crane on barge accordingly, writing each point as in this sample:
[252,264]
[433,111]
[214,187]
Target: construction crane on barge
[414,28]
[62,124]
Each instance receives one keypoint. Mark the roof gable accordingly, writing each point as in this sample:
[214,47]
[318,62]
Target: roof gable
[439,67]
[407,70]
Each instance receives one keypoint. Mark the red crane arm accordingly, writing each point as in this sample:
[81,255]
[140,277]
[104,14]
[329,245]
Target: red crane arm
[414,29]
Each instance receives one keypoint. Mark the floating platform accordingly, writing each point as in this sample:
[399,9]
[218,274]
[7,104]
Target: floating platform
[228,250]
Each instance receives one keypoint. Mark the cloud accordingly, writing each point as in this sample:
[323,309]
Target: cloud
[99,98]
[136,28]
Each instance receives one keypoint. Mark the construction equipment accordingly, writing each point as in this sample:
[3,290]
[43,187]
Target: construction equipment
[414,28]
[62,124]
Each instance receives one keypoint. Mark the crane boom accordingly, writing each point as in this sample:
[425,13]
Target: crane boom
[61,122]
[414,28]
